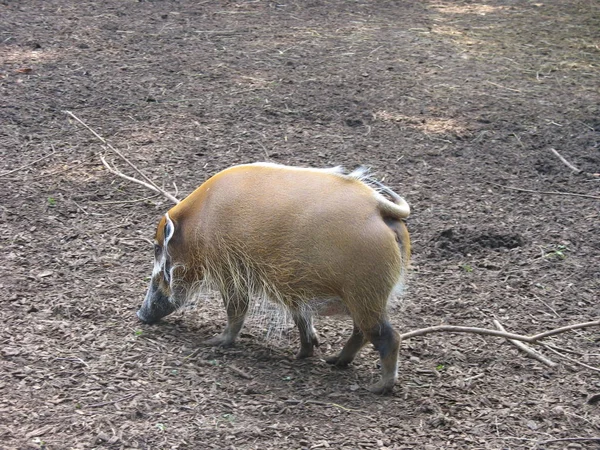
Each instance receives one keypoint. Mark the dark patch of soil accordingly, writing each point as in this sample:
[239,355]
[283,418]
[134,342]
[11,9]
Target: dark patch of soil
[451,103]
[464,242]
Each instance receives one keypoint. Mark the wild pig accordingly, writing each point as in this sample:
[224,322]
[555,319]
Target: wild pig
[314,241]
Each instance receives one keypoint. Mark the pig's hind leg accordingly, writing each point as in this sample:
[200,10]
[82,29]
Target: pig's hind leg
[386,341]
[346,356]
[308,335]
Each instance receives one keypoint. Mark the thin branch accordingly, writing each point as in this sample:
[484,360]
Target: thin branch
[496,333]
[106,143]
[335,405]
[80,207]
[264,149]
[565,162]
[547,306]
[502,87]
[148,182]
[459,329]
[129,241]
[474,377]
[240,372]
[135,180]
[73,359]
[98,405]
[573,352]
[28,165]
[568,358]
[573,439]
[115,202]
[527,349]
[194,353]
[573,194]
[575,326]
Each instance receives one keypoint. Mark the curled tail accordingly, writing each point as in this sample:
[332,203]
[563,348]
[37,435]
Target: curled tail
[397,208]
[394,213]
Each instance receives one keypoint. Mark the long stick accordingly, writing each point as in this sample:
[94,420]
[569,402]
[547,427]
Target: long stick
[568,358]
[565,162]
[488,332]
[28,165]
[575,326]
[459,329]
[135,180]
[98,405]
[527,349]
[573,194]
[149,183]
[573,439]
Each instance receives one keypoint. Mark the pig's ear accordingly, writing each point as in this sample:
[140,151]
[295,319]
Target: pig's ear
[168,233]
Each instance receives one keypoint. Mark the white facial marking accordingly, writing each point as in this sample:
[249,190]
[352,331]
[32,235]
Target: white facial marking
[157,268]
[159,263]
[169,231]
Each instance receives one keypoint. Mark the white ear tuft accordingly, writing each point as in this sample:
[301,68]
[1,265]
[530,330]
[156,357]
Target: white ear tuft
[169,231]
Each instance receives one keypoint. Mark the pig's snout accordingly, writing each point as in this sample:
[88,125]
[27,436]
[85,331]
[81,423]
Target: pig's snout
[156,305]
[140,316]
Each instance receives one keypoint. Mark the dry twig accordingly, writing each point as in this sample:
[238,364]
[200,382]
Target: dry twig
[573,439]
[565,162]
[513,338]
[115,202]
[240,372]
[98,405]
[28,165]
[334,405]
[148,183]
[568,358]
[135,180]
[73,359]
[484,331]
[575,326]
[573,194]
[502,87]
[525,348]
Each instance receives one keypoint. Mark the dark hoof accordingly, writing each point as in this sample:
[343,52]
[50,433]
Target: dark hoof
[382,387]
[145,319]
[305,353]
[337,362]
[218,341]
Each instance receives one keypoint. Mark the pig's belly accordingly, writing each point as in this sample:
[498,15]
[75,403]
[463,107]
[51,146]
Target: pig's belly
[328,307]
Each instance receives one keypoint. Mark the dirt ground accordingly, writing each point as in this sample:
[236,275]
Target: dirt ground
[452,103]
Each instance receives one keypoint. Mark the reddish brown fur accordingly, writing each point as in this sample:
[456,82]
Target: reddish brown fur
[305,235]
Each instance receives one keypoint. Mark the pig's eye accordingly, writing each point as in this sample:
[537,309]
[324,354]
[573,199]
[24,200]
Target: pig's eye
[156,250]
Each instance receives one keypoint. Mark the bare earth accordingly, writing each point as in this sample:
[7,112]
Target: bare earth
[449,102]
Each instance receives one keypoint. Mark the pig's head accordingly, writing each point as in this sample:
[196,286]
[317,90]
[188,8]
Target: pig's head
[161,298]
